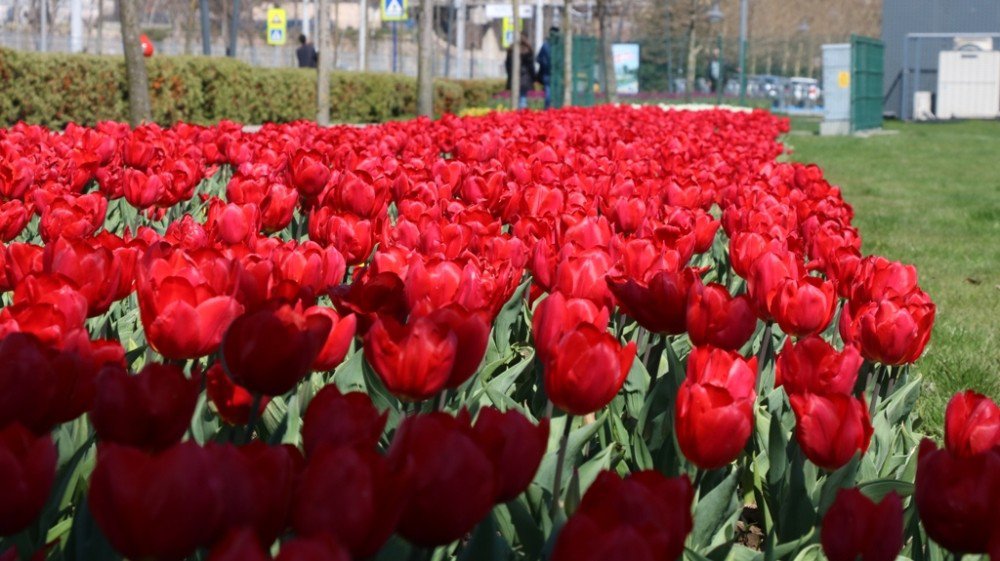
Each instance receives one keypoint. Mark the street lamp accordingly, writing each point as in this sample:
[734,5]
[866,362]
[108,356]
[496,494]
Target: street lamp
[715,17]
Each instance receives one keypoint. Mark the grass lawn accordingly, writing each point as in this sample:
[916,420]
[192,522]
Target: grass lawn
[930,195]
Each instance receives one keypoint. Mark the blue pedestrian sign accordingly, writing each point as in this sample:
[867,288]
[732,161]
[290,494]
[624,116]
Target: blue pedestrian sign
[394,10]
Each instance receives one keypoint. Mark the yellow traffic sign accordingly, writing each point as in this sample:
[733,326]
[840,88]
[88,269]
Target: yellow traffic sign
[277,27]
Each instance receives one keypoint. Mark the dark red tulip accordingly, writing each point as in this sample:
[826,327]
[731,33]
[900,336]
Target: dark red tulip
[27,469]
[715,406]
[556,315]
[660,302]
[232,402]
[716,318]
[150,410]
[25,374]
[971,424]
[831,428]
[803,306]
[269,351]
[586,369]
[372,296]
[811,365]
[341,420]
[353,495]
[239,545]
[855,527]
[157,507]
[644,516]
[316,548]
[514,445]
[472,334]
[957,497]
[415,360]
[454,484]
[259,481]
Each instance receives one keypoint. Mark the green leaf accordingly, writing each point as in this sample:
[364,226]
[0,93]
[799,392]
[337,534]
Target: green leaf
[877,489]
[715,515]
[529,534]
[813,552]
[349,376]
[577,438]
[842,478]
[86,542]
[485,543]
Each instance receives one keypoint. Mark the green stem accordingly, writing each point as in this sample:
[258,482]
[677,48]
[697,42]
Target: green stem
[560,461]
[252,420]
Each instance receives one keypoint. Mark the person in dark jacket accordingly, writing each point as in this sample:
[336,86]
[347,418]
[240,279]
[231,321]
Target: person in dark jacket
[527,70]
[544,60]
[306,53]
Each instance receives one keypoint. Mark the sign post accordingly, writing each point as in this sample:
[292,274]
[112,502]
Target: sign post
[277,27]
[394,11]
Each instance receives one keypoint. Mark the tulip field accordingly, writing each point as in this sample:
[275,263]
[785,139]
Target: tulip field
[615,333]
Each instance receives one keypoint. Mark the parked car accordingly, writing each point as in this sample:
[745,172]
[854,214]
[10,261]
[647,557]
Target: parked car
[766,86]
[803,92]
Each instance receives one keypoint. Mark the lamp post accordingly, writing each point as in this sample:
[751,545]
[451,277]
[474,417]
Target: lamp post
[715,17]
[744,24]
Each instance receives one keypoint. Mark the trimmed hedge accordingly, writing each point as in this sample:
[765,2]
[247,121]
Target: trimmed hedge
[56,89]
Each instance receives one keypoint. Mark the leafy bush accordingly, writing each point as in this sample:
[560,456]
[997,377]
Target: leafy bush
[56,89]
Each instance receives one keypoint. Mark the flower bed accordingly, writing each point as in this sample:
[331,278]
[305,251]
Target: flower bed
[617,333]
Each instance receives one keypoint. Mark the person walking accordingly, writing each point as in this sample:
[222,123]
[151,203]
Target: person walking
[528,73]
[306,53]
[544,60]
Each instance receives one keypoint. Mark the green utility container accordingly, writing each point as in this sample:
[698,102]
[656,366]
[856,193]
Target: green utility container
[867,66]
[585,51]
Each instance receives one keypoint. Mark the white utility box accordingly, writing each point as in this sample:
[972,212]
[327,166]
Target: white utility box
[968,84]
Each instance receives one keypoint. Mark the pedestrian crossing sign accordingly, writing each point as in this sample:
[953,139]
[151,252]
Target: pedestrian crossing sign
[394,10]
[277,30]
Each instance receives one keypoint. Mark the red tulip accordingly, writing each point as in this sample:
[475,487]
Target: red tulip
[811,365]
[582,275]
[150,410]
[514,445]
[70,216]
[232,402]
[472,334]
[715,318]
[714,413]
[24,377]
[646,515]
[891,332]
[278,208]
[27,469]
[855,527]
[957,497]
[660,302]
[586,369]
[309,172]
[767,276]
[454,484]
[185,304]
[232,223]
[160,507]
[971,424]
[415,360]
[556,315]
[832,428]
[353,495]
[338,342]
[14,216]
[803,306]
[338,420]
[268,352]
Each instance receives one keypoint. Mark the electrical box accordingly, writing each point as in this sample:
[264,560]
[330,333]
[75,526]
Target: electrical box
[836,89]
[968,85]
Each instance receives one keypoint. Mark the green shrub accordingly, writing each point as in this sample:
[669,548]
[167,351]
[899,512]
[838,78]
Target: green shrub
[56,89]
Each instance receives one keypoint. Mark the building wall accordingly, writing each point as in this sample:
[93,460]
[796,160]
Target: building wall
[900,17]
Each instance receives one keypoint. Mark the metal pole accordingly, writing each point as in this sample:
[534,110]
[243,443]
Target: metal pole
[906,79]
[722,73]
[325,63]
[206,30]
[744,25]
[305,21]
[76,26]
[449,41]
[515,57]
[916,79]
[363,36]
[460,15]
[395,48]
[539,24]
[234,28]
[43,44]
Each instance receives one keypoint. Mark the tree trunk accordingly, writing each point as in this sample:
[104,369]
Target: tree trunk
[323,72]
[610,81]
[692,63]
[189,27]
[425,60]
[515,58]
[139,107]
[567,54]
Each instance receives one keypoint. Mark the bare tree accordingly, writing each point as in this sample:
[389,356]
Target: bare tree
[323,72]
[139,106]
[567,24]
[425,60]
